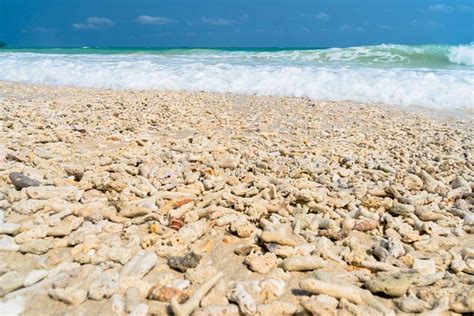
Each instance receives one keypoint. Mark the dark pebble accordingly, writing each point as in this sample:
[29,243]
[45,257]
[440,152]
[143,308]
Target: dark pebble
[21,181]
[191,260]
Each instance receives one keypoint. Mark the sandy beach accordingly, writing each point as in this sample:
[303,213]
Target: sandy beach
[194,203]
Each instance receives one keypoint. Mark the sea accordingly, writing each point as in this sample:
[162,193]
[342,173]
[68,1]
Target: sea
[430,76]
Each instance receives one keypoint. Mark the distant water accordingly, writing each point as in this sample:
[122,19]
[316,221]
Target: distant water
[435,76]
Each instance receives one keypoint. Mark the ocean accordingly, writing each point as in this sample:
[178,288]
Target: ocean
[432,76]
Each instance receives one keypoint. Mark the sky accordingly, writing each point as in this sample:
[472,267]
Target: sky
[234,23]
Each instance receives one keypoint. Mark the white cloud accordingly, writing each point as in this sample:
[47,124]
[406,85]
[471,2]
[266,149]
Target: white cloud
[156,20]
[220,21]
[450,8]
[94,23]
[317,16]
[217,21]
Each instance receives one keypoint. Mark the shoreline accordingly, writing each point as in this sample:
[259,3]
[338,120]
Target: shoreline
[128,198]
[465,114]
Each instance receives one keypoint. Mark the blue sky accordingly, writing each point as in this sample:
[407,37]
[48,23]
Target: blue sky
[207,23]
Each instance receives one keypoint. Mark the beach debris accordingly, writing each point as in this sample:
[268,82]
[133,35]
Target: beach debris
[193,302]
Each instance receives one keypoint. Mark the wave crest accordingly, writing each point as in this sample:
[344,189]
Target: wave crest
[462,54]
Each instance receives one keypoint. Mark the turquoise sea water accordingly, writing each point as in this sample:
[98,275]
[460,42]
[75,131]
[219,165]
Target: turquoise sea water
[428,75]
[430,56]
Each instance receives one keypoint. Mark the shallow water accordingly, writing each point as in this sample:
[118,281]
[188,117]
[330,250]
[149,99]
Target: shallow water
[433,76]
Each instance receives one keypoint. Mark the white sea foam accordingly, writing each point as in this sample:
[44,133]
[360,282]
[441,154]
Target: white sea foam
[228,72]
[463,54]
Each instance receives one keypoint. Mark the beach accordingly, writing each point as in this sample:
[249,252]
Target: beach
[118,201]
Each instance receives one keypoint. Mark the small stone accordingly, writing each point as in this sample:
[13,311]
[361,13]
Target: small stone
[34,276]
[140,310]
[9,282]
[347,224]
[21,181]
[303,263]
[232,180]
[245,231]
[71,295]
[272,288]
[464,302]
[8,243]
[412,182]
[9,228]
[366,224]
[228,163]
[410,304]
[27,207]
[3,268]
[31,235]
[132,299]
[261,263]
[402,209]
[190,260]
[105,285]
[68,193]
[118,305]
[395,286]
[460,182]
[139,265]
[424,266]
[37,247]
[76,171]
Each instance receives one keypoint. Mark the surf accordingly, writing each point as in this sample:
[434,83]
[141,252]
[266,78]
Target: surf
[435,76]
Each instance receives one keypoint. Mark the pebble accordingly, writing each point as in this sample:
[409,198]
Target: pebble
[20,181]
[8,243]
[37,247]
[189,261]
[303,263]
[391,285]
[104,286]
[139,265]
[9,229]
[424,266]
[261,263]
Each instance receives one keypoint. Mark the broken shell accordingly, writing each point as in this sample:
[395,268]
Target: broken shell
[366,225]
[164,294]
[175,223]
